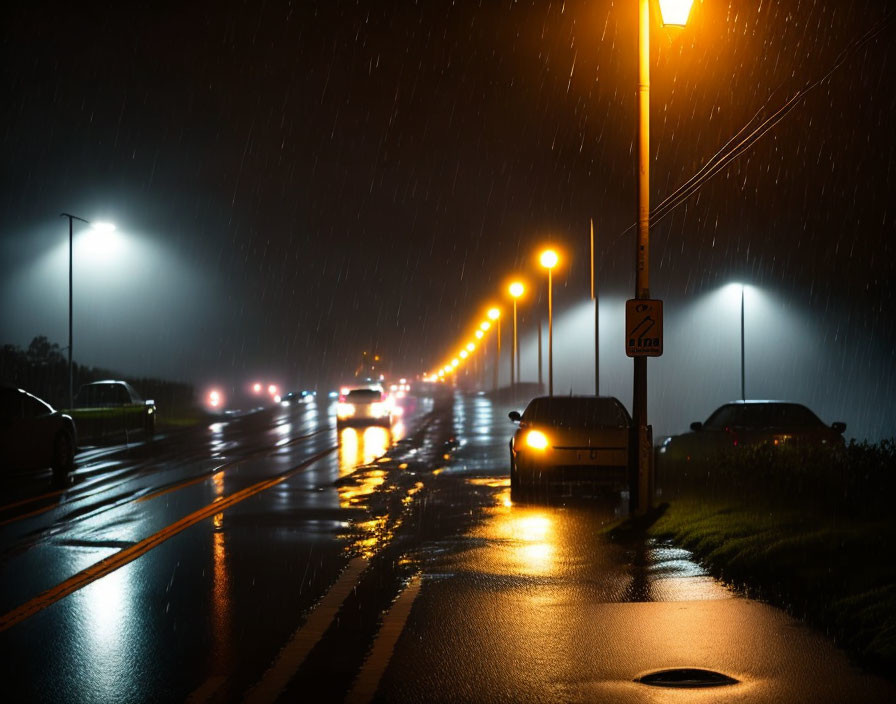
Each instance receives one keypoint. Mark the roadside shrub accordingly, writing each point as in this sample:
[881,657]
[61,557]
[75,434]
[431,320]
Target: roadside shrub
[857,478]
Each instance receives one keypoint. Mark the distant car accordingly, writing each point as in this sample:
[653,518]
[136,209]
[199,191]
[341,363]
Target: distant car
[364,406]
[296,397]
[741,424]
[112,409]
[33,435]
[570,438]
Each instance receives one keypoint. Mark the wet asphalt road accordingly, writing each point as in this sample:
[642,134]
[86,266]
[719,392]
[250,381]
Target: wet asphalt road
[269,558]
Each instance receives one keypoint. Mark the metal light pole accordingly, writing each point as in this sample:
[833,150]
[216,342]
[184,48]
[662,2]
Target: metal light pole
[540,375]
[71,393]
[596,317]
[495,315]
[549,260]
[743,378]
[672,14]
[516,290]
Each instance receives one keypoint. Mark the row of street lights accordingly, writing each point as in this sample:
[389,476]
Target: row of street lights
[548,259]
[674,13]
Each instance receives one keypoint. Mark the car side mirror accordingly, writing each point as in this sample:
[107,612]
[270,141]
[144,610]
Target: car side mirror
[838,427]
[696,427]
[515,416]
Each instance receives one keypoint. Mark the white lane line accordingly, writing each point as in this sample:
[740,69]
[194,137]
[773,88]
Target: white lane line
[368,679]
[294,653]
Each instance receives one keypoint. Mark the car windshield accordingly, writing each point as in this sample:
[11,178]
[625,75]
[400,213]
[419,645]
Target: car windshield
[363,396]
[576,412]
[762,415]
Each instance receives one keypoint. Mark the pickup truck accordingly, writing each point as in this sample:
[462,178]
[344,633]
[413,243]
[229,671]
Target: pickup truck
[110,410]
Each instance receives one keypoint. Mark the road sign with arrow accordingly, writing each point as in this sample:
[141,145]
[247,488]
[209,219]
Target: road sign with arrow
[643,327]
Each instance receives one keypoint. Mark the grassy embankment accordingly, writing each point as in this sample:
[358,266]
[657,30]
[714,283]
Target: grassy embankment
[182,417]
[813,533]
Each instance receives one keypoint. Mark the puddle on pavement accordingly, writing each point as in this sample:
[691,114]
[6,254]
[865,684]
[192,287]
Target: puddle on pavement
[564,541]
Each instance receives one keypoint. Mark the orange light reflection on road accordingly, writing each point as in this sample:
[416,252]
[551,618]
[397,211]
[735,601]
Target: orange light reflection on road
[526,535]
[221,651]
[358,448]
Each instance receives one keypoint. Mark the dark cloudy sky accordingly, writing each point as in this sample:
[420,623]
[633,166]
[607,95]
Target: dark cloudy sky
[302,180]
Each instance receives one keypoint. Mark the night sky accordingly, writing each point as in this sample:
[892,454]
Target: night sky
[310,179]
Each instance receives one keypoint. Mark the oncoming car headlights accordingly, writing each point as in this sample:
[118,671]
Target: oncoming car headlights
[536,440]
[345,410]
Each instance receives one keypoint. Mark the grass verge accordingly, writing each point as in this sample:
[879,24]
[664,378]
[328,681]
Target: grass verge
[838,574]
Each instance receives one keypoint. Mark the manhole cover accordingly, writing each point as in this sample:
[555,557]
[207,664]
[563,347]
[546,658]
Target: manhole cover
[686,677]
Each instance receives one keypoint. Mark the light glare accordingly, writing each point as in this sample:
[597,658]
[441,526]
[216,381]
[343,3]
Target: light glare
[675,12]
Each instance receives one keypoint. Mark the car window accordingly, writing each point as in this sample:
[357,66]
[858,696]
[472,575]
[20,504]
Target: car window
[724,417]
[121,395]
[10,405]
[771,415]
[577,412]
[34,407]
[102,395]
[363,396]
[132,395]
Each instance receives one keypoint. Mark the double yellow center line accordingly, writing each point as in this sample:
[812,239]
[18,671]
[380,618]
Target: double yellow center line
[129,554]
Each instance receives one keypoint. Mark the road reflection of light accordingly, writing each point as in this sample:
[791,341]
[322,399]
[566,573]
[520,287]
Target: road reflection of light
[221,588]
[526,535]
[217,441]
[348,450]
[107,625]
[356,450]
[351,494]
[373,533]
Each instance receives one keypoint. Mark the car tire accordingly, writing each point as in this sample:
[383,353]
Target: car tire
[514,475]
[63,454]
[149,426]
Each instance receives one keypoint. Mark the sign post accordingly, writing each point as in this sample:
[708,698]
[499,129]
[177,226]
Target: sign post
[643,338]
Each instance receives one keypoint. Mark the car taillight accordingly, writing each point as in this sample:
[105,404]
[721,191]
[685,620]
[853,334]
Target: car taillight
[732,435]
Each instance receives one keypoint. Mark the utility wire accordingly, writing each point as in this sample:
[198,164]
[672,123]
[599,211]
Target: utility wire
[728,153]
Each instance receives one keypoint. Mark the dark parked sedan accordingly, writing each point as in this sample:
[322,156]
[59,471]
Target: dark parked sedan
[748,424]
[33,435]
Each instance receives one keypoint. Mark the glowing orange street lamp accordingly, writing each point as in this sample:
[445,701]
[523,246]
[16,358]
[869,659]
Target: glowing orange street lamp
[549,260]
[675,12]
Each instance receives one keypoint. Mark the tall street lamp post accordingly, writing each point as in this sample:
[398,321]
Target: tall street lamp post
[495,315]
[549,260]
[102,227]
[516,290]
[596,317]
[743,374]
[673,12]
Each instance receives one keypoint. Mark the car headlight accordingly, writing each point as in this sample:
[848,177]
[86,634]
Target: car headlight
[536,440]
[345,410]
